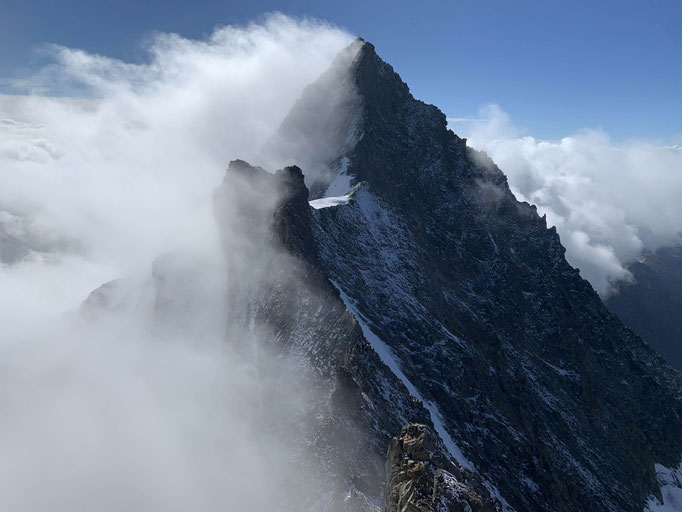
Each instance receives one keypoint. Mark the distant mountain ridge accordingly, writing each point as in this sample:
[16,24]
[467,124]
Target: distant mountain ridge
[652,303]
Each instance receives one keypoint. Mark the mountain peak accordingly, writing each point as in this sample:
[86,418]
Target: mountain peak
[359,101]
[371,72]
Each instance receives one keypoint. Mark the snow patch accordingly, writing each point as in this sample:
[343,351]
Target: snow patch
[339,190]
[670,480]
[342,183]
[327,202]
[506,507]
[560,371]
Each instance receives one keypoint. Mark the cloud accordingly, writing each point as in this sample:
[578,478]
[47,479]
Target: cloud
[609,200]
[105,166]
[128,172]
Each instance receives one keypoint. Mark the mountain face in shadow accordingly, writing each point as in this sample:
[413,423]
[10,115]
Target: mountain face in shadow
[652,303]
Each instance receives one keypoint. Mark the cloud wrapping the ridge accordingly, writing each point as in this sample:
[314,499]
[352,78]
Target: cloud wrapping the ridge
[104,166]
[128,172]
[608,200]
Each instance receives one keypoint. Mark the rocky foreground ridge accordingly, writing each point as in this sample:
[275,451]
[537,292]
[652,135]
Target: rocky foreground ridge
[420,479]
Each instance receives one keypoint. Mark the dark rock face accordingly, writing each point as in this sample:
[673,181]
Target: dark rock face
[416,482]
[652,304]
[466,295]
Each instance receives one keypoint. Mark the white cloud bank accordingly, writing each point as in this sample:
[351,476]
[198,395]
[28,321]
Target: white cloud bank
[97,414]
[609,201]
[128,173]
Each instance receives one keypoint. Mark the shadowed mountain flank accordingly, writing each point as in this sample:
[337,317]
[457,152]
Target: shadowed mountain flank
[652,303]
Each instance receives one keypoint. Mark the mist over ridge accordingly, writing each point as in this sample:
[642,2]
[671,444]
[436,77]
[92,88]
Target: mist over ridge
[255,273]
[144,393]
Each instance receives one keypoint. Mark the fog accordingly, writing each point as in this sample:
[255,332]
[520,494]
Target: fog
[141,399]
[609,200]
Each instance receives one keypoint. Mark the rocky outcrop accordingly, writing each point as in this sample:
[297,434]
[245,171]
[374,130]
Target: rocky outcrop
[417,482]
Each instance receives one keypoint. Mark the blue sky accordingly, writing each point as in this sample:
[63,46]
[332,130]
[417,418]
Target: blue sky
[555,67]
